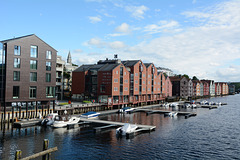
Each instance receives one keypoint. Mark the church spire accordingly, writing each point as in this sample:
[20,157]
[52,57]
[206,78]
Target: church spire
[69,58]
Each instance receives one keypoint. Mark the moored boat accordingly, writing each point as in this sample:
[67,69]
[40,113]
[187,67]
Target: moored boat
[49,119]
[125,110]
[90,114]
[127,128]
[65,120]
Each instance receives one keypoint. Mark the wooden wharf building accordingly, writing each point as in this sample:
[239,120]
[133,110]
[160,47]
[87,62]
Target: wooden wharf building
[117,83]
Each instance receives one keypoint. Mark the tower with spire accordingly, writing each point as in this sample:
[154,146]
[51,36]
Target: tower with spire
[69,58]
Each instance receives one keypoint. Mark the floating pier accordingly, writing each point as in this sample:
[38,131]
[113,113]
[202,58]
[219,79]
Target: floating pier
[26,123]
[209,106]
[145,127]
[149,111]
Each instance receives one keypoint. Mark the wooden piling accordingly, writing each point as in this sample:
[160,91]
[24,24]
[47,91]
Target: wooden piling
[45,147]
[18,155]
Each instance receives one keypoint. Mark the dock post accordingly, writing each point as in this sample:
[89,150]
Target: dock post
[45,147]
[18,155]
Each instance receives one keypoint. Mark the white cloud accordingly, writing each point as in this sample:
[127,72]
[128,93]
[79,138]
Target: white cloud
[124,28]
[116,45]
[137,11]
[162,26]
[97,42]
[95,19]
[77,51]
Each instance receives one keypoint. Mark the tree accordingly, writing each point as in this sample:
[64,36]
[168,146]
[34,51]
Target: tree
[195,78]
[186,76]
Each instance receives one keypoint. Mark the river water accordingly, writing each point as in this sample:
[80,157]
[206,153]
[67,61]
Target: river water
[212,134]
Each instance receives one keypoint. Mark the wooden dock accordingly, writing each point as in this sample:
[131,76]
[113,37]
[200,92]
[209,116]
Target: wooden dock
[146,127]
[150,111]
[209,106]
[26,123]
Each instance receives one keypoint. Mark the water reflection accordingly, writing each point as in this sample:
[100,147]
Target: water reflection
[212,134]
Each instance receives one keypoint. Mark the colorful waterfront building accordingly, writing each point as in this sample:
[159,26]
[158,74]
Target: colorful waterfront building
[211,87]
[196,88]
[168,86]
[118,83]
[206,91]
[181,86]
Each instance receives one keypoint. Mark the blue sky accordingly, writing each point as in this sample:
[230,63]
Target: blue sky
[195,37]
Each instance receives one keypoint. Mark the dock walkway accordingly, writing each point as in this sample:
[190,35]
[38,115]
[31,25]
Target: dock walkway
[146,127]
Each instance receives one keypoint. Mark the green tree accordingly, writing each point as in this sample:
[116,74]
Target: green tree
[195,78]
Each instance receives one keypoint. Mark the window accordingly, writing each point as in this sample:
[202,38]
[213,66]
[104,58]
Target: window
[136,74]
[49,55]
[116,72]
[115,80]
[16,75]
[15,91]
[115,88]
[143,75]
[17,50]
[34,51]
[33,64]
[126,81]
[136,89]
[143,82]
[126,88]
[50,92]
[32,92]
[33,76]
[16,63]
[102,88]
[136,81]
[48,66]
[143,89]
[48,77]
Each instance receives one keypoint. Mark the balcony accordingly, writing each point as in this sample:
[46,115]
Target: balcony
[59,69]
[59,83]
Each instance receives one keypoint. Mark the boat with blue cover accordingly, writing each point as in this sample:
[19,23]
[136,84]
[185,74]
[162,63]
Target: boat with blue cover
[90,114]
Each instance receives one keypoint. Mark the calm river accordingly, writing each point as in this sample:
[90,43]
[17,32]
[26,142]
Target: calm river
[212,134]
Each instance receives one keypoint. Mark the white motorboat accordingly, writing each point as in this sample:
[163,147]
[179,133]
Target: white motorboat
[49,119]
[173,105]
[174,114]
[126,129]
[171,114]
[126,110]
[194,106]
[63,121]
[168,114]
[90,114]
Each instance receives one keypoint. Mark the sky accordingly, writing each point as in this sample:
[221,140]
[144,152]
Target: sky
[195,37]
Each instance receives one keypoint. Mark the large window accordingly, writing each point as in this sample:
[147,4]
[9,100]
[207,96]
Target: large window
[33,76]
[50,92]
[15,91]
[32,92]
[48,55]
[34,51]
[17,50]
[48,77]
[33,64]
[48,66]
[16,63]
[16,75]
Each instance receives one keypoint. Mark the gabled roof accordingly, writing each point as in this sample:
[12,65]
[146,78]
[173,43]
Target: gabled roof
[130,63]
[83,68]
[147,64]
[17,38]
[108,67]
[12,39]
